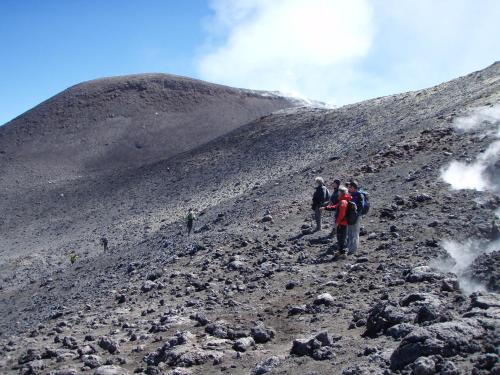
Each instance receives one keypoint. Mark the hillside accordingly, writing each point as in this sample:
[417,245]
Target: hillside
[122,122]
[242,295]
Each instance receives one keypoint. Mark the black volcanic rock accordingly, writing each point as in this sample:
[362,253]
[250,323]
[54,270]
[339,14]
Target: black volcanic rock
[485,270]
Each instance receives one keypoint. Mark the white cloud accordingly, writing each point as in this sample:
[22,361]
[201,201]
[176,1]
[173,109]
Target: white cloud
[343,51]
[287,45]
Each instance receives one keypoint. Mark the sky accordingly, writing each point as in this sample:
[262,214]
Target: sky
[336,51]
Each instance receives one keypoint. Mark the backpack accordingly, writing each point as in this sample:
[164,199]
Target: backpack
[326,196]
[365,202]
[351,213]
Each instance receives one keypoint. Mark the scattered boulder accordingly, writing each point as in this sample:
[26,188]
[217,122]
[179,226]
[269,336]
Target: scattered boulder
[70,342]
[108,344]
[262,334]
[449,368]
[200,318]
[424,366]
[243,344]
[110,370]
[66,371]
[266,366]
[383,316]
[148,286]
[324,299]
[400,330]
[488,362]
[423,273]
[30,355]
[450,285]
[220,329]
[445,339]
[484,300]
[319,347]
[267,218]
[181,350]
[91,360]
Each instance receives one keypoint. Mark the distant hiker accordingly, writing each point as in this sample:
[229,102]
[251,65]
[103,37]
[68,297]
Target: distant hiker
[341,216]
[73,258]
[104,243]
[360,199]
[334,200]
[191,217]
[320,198]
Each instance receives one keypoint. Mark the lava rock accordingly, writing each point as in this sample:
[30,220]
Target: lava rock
[383,316]
[243,344]
[108,344]
[266,366]
[324,299]
[423,273]
[262,334]
[445,339]
[110,370]
[148,286]
[318,347]
[424,366]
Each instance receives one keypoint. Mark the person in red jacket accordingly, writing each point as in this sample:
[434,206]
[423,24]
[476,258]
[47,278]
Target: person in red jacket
[340,219]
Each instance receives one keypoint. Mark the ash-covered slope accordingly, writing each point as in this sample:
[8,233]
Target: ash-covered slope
[122,122]
[159,300]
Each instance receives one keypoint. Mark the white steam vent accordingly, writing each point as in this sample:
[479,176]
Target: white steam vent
[481,173]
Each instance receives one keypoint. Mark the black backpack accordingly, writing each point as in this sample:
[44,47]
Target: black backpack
[326,196]
[351,213]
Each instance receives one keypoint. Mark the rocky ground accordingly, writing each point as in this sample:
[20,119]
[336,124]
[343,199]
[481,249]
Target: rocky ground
[251,292]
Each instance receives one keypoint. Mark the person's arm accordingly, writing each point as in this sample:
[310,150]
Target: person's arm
[342,210]
[331,207]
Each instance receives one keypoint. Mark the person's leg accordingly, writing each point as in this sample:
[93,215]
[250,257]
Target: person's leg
[341,236]
[317,217]
[190,227]
[349,234]
[334,229]
[353,236]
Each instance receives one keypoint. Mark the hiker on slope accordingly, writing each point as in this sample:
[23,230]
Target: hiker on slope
[191,217]
[340,217]
[320,199]
[353,230]
[334,200]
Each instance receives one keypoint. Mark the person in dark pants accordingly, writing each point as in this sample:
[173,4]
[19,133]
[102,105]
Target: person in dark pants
[320,197]
[340,218]
[104,243]
[191,217]
[353,230]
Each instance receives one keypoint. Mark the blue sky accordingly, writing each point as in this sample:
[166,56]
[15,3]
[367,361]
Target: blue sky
[337,51]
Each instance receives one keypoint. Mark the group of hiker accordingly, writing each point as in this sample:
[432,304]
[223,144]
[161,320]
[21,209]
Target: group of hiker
[349,203]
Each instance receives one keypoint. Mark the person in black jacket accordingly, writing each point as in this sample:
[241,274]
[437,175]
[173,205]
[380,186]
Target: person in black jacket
[353,230]
[320,197]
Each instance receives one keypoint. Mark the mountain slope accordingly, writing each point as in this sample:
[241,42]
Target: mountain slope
[237,270]
[123,122]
